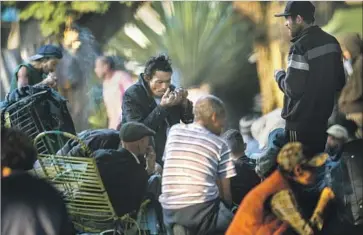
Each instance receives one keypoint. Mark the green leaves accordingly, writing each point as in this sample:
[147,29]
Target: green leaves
[53,14]
[86,7]
[203,40]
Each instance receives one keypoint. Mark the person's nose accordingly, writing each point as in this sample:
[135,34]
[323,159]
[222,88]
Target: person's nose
[286,23]
[165,86]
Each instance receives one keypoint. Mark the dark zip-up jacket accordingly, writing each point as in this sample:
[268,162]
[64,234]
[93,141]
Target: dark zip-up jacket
[139,105]
[314,76]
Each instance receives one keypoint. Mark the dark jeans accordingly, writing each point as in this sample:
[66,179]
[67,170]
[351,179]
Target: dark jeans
[314,141]
[212,218]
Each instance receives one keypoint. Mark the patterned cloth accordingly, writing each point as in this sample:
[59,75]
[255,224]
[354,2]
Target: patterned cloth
[292,154]
[284,206]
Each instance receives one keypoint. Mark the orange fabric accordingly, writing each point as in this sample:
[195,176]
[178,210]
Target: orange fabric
[251,217]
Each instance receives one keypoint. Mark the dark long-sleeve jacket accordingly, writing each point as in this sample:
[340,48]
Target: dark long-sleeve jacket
[314,76]
[139,105]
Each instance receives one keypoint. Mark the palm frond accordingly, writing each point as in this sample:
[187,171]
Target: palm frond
[203,39]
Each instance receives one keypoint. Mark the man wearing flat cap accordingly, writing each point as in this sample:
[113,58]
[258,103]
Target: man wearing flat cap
[276,209]
[122,171]
[135,138]
[314,76]
[40,69]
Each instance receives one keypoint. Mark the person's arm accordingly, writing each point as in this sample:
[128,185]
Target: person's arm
[226,171]
[292,82]
[284,206]
[132,110]
[224,186]
[23,79]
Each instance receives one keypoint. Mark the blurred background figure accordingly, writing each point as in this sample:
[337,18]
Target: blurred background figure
[114,83]
[245,125]
[40,69]
[262,127]
[351,104]
[351,98]
[337,136]
[246,177]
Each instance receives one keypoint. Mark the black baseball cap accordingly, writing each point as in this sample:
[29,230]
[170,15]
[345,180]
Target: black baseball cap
[47,51]
[303,8]
[133,131]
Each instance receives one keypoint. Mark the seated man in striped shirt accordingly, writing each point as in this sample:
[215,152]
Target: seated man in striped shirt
[197,170]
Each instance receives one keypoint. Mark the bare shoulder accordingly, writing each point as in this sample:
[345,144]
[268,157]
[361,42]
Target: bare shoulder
[23,71]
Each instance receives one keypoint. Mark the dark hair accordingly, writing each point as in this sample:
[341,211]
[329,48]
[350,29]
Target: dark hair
[234,140]
[157,63]
[306,19]
[108,60]
[17,150]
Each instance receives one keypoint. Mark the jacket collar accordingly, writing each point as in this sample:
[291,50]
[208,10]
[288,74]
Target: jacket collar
[306,31]
[145,85]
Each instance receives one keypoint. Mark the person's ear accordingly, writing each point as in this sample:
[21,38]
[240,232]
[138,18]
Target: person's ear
[298,171]
[214,117]
[299,19]
[147,78]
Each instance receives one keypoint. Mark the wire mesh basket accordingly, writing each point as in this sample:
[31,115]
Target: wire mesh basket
[26,114]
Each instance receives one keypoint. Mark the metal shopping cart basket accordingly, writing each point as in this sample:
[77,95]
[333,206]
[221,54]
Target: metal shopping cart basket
[35,113]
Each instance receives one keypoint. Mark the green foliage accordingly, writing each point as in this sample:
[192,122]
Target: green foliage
[206,41]
[53,14]
[347,20]
[87,7]
[8,3]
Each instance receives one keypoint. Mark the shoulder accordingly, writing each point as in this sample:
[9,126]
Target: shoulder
[135,90]
[22,70]
[299,47]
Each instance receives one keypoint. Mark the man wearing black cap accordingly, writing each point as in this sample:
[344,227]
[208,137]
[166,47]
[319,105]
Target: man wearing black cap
[41,66]
[314,76]
[122,171]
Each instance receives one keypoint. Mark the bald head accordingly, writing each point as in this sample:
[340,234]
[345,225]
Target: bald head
[210,112]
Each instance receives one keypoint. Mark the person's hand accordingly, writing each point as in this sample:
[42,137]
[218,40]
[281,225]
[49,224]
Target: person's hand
[317,219]
[184,94]
[50,80]
[278,71]
[150,157]
[170,98]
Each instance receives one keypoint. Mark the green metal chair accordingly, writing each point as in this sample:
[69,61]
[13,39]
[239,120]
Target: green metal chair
[87,201]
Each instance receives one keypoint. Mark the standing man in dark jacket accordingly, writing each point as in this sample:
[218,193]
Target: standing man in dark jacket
[156,103]
[314,76]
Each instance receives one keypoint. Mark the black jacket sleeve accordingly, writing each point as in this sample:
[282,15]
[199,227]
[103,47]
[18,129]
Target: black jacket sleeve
[293,82]
[133,112]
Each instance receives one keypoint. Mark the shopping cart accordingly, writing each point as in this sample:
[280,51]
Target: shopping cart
[27,114]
